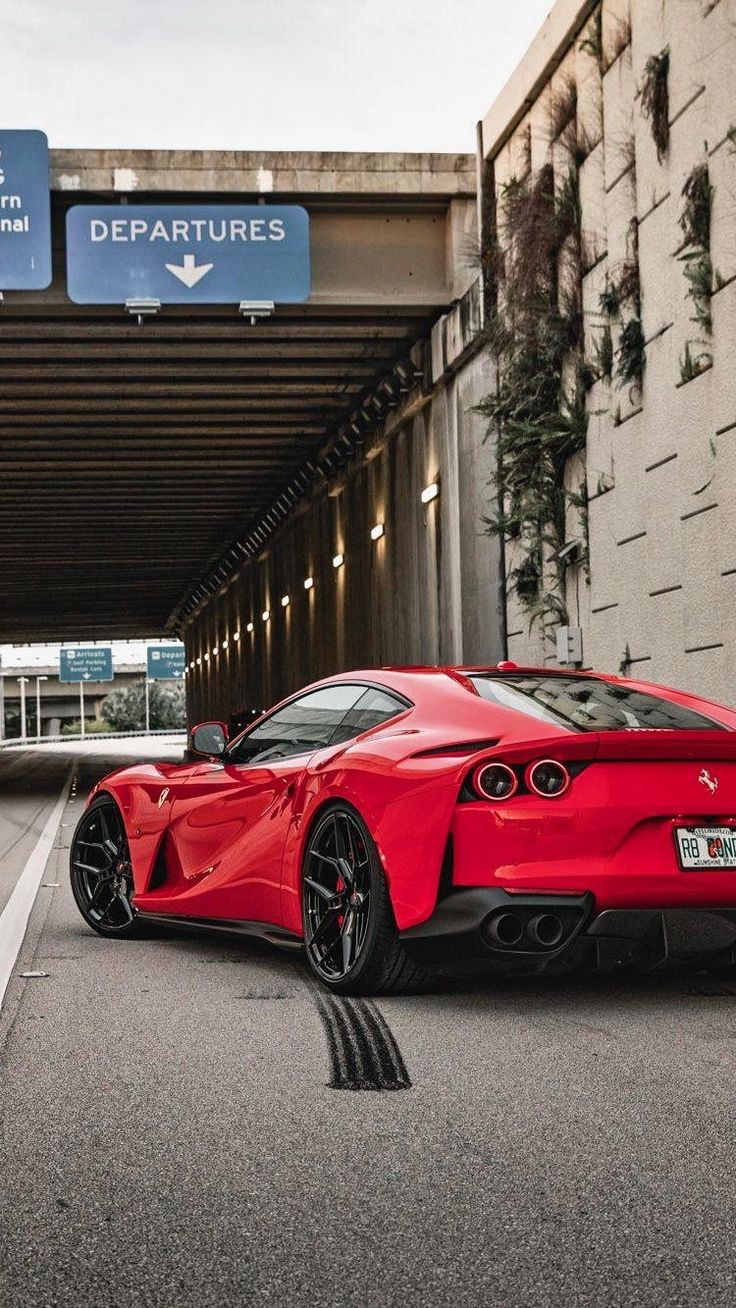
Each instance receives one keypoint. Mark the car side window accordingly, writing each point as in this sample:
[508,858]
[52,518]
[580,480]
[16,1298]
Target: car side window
[306,724]
[374,707]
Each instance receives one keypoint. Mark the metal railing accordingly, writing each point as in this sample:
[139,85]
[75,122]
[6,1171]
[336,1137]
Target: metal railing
[65,738]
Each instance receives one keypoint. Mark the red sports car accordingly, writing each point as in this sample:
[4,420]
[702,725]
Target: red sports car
[403,821]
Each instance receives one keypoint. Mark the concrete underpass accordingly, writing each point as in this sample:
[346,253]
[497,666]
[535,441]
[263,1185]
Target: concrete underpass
[191,471]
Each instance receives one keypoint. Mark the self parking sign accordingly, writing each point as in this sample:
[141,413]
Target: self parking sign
[91,664]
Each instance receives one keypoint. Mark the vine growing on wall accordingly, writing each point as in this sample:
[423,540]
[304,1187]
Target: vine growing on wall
[538,412]
[655,99]
[695,216]
[605,51]
[621,300]
[592,42]
[702,279]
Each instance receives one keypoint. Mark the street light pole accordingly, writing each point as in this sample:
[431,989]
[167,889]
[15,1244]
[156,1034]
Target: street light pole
[38,705]
[81,710]
[22,682]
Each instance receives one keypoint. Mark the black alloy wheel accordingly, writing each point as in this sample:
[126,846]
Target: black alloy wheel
[350,933]
[100,869]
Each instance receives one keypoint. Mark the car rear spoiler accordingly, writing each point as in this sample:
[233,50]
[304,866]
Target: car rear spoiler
[634,745]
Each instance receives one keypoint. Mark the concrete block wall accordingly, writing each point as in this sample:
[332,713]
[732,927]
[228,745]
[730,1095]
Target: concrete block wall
[660,463]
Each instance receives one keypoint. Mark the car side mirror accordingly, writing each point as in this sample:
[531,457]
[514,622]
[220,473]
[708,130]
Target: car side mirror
[209,738]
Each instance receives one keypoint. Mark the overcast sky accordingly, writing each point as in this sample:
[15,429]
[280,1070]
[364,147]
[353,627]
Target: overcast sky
[259,74]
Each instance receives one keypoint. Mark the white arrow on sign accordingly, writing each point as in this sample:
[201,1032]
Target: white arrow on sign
[189,272]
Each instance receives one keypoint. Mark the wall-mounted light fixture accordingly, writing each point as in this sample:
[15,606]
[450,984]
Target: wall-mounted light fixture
[308,583]
[250,627]
[285,601]
[225,643]
[236,635]
[378,531]
[430,492]
[338,560]
[266,615]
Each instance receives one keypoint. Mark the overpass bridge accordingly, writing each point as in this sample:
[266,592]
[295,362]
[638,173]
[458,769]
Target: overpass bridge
[57,700]
[187,474]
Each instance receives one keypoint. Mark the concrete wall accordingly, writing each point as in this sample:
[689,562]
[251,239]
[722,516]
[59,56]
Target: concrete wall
[661,462]
[426,592]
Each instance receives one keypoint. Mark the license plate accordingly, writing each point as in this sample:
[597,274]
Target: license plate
[706,847]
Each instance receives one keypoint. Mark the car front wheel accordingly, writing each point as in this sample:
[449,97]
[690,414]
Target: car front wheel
[100,869]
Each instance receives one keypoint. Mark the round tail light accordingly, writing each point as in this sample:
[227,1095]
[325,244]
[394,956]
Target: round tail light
[547,778]
[495,781]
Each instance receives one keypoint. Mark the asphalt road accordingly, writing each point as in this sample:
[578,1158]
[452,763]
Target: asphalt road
[170,1136]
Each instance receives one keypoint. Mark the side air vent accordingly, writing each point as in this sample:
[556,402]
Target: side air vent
[454,749]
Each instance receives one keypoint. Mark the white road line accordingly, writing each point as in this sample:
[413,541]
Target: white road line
[15,915]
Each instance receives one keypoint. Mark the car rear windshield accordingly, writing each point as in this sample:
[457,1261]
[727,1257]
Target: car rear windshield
[586,704]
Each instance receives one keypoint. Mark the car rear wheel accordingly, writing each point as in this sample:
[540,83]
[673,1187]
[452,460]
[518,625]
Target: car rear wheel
[100,869]
[352,942]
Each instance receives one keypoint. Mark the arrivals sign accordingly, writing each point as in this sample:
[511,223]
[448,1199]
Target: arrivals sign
[25,214]
[187,253]
[165,662]
[85,664]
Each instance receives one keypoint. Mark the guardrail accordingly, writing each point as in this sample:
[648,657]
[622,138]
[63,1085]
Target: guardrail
[14,741]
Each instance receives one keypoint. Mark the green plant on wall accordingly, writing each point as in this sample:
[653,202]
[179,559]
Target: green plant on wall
[695,219]
[655,99]
[693,363]
[538,412]
[621,298]
[592,41]
[603,357]
[631,354]
[618,37]
[702,279]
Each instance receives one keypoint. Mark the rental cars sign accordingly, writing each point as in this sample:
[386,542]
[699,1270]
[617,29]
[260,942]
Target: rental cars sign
[187,254]
[93,663]
[25,221]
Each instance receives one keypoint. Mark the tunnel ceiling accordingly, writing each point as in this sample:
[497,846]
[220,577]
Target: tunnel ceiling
[133,454]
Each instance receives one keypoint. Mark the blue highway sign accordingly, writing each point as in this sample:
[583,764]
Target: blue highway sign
[25,212]
[91,664]
[165,662]
[187,253]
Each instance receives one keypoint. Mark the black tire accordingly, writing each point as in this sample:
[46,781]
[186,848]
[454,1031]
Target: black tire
[100,871]
[356,904]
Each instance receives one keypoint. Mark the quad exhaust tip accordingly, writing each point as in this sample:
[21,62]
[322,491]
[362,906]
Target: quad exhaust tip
[546,930]
[511,931]
[506,929]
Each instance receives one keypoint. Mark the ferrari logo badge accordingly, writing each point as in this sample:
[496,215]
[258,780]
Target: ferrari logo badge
[163,796]
[707,780]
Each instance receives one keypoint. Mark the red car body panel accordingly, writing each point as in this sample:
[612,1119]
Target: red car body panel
[227,841]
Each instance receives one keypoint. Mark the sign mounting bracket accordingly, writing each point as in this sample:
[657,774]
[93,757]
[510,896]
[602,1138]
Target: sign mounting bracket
[142,308]
[255,309]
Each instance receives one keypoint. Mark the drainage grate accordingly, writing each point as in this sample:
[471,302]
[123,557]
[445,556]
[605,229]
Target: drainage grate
[363,1052]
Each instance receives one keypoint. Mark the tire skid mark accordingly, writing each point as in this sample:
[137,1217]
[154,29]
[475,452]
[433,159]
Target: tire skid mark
[363,1052]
